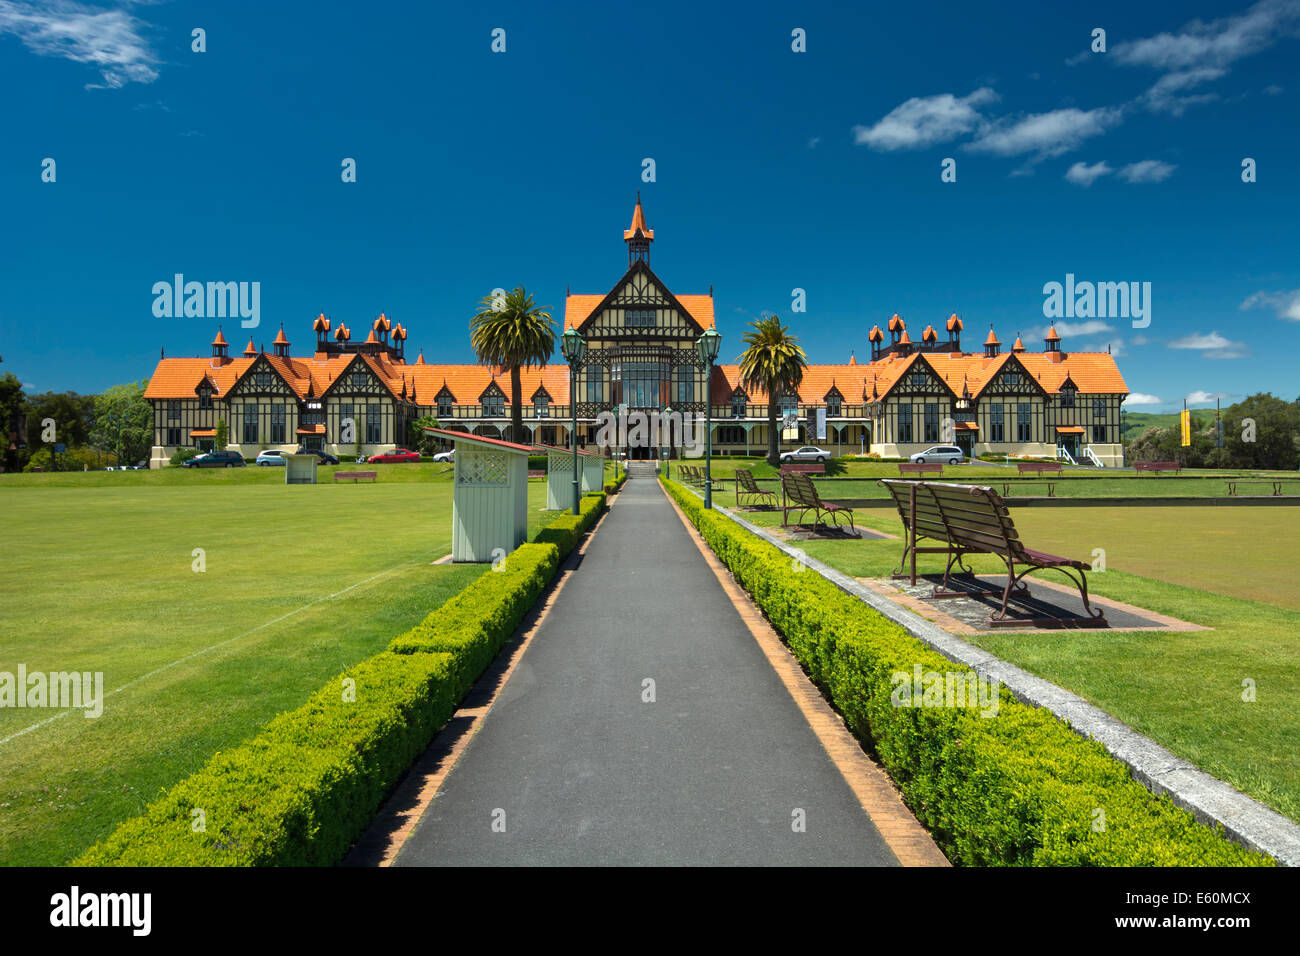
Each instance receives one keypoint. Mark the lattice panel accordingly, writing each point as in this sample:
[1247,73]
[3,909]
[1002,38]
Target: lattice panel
[564,464]
[489,468]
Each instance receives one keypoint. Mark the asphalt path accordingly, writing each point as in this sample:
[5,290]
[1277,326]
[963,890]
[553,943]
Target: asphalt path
[644,726]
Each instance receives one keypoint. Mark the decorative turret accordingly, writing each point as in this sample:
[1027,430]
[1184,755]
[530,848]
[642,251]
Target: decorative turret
[638,236]
[220,346]
[1052,341]
[250,350]
[341,334]
[929,336]
[875,337]
[896,328]
[399,337]
[281,344]
[991,344]
[954,332]
[1018,346]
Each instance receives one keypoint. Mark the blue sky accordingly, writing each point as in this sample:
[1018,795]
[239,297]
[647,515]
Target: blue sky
[774,170]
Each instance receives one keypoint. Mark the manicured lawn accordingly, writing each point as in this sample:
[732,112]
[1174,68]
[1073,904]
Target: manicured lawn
[1230,569]
[300,582]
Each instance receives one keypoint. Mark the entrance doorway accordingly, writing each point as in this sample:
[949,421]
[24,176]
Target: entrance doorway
[966,442]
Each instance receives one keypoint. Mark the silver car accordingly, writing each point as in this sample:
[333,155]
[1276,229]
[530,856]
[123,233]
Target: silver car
[940,454]
[807,453]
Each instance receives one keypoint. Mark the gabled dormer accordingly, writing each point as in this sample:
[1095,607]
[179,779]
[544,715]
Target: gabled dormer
[834,402]
[446,401]
[493,400]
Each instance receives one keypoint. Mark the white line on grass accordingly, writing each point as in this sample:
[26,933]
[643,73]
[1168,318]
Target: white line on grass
[229,640]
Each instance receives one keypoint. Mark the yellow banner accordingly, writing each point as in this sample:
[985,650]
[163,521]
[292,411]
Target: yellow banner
[1187,428]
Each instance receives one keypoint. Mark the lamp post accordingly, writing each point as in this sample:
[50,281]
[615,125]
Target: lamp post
[707,346]
[666,446]
[573,346]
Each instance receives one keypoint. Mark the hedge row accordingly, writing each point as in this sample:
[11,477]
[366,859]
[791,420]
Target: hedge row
[614,484]
[301,790]
[1018,788]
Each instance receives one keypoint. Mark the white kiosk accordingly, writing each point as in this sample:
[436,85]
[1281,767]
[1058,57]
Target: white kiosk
[489,513]
[300,469]
[559,475]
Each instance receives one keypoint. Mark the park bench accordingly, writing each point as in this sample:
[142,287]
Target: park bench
[971,519]
[1049,482]
[799,468]
[746,485]
[536,474]
[1038,467]
[354,475]
[799,489]
[1276,483]
[1157,466]
[919,468]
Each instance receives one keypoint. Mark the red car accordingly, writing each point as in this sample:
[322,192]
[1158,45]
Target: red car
[396,455]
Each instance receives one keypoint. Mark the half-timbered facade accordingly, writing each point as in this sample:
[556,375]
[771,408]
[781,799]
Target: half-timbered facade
[360,397]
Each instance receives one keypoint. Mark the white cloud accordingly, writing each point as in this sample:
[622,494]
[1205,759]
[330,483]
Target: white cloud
[1045,134]
[1088,327]
[1147,171]
[925,120]
[1200,397]
[1081,174]
[1286,305]
[1272,90]
[1213,346]
[1140,340]
[1141,398]
[812,143]
[111,40]
[1200,52]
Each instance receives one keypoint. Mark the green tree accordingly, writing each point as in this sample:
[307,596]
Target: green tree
[513,333]
[424,443]
[1276,432]
[223,434]
[124,422]
[73,416]
[773,363]
[11,410]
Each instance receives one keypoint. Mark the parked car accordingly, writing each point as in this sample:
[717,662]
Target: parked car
[216,459]
[325,457]
[940,454]
[806,453]
[445,456]
[268,457]
[394,456]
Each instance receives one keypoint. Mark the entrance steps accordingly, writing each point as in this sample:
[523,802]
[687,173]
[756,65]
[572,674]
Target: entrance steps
[643,469]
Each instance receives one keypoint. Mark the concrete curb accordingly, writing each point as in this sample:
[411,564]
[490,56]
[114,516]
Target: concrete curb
[1208,799]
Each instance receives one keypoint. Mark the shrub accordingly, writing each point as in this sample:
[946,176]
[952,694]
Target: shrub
[299,792]
[1020,788]
[183,455]
[537,462]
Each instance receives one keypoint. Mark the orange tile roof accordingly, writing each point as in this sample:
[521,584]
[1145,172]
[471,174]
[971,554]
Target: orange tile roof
[220,339]
[279,338]
[578,308]
[954,323]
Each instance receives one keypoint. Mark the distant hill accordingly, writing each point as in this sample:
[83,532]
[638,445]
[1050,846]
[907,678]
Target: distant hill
[1135,423]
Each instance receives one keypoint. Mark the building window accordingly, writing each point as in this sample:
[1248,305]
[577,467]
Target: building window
[738,406]
[1022,421]
[445,406]
[931,422]
[1099,408]
[997,425]
[904,423]
[789,404]
[1099,434]
[1067,398]
[1011,378]
[494,406]
[685,384]
[173,436]
[250,425]
[173,411]
[374,424]
[639,318]
[834,406]
[277,423]
[262,380]
[542,407]
[919,379]
[205,398]
[595,385]
[358,381]
[730,435]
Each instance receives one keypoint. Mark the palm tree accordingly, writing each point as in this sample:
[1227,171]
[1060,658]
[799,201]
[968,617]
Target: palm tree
[513,333]
[773,363]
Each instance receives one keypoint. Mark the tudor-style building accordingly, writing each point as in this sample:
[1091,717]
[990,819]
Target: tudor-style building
[359,397]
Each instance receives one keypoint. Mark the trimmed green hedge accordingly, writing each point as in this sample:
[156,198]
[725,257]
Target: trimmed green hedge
[614,484]
[301,790]
[309,783]
[565,530]
[1020,788]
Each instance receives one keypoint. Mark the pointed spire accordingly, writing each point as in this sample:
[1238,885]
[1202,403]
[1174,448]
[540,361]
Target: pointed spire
[249,351]
[420,361]
[638,236]
[1018,346]
[220,340]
